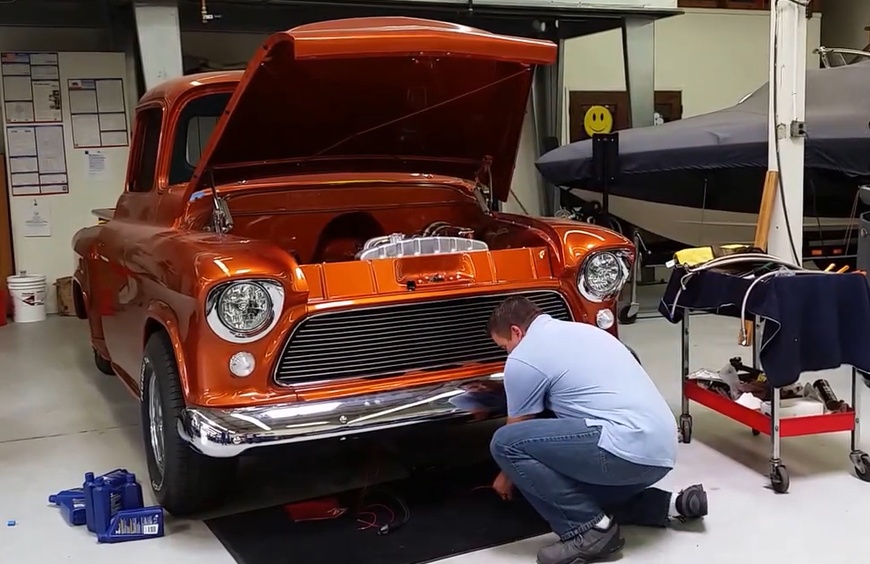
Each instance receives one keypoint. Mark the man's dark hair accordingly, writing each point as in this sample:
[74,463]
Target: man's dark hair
[515,310]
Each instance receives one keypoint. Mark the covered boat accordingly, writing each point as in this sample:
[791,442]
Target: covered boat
[699,180]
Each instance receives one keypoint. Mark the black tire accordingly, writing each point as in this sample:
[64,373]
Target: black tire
[103,365]
[779,479]
[625,316]
[686,429]
[863,473]
[188,481]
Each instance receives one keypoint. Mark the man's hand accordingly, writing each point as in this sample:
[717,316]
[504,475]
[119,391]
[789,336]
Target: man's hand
[503,487]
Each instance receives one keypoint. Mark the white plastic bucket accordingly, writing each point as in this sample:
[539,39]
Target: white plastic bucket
[28,297]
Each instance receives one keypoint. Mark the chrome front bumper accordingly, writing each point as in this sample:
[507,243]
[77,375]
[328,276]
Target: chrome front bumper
[223,433]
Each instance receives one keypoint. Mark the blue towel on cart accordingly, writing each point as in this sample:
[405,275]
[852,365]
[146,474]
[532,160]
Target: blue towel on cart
[812,322]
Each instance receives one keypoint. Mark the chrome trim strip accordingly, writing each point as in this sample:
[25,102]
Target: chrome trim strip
[308,317]
[224,433]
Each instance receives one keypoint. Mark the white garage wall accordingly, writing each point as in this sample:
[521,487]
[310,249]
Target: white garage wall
[714,56]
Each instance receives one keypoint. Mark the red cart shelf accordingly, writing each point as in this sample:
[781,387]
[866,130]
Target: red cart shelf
[797,426]
[774,425]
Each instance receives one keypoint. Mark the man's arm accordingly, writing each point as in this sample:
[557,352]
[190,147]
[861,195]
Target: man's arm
[526,389]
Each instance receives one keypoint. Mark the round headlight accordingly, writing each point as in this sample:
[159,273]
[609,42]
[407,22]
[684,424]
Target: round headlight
[602,275]
[244,307]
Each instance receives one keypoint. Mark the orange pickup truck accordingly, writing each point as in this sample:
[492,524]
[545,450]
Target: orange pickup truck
[311,248]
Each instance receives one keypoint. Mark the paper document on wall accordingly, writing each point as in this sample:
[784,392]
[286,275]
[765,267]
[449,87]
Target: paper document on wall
[53,179]
[21,141]
[27,190]
[17,89]
[99,113]
[50,150]
[43,59]
[15,69]
[114,138]
[44,72]
[46,100]
[113,122]
[23,164]
[96,163]
[86,130]
[37,221]
[110,95]
[82,101]
[37,160]
[54,188]
[31,89]
[19,112]
[24,179]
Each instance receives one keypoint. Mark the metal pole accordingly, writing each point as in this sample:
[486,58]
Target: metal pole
[685,416]
[856,405]
[786,131]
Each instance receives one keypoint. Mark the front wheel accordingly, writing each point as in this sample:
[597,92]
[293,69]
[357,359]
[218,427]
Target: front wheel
[184,481]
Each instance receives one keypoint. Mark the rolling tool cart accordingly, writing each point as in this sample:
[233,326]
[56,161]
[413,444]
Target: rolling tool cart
[803,321]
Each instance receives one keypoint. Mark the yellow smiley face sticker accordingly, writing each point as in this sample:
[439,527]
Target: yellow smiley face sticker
[598,119]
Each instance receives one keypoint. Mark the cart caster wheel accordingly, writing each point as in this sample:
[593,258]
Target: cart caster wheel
[755,432]
[779,479]
[686,429]
[627,314]
[861,460]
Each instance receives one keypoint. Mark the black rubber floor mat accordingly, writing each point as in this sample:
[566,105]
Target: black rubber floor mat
[451,513]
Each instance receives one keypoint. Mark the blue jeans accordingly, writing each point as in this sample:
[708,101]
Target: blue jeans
[572,483]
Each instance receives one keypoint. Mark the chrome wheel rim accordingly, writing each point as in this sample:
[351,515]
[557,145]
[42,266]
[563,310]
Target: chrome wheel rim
[155,420]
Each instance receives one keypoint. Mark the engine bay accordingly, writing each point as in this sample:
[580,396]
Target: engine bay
[355,224]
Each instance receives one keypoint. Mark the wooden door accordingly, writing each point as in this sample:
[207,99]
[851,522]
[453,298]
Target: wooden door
[668,104]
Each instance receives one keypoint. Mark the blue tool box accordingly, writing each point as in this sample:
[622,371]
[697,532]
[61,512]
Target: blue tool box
[111,506]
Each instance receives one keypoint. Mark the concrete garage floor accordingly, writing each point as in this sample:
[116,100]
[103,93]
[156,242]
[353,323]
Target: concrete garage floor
[60,417]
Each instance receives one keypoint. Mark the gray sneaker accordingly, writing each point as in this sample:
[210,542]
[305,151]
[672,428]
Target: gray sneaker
[593,545]
[691,503]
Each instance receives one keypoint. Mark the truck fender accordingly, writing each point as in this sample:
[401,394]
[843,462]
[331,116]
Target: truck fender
[161,317]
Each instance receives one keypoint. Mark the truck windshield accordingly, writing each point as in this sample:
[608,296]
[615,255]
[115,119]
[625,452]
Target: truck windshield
[195,125]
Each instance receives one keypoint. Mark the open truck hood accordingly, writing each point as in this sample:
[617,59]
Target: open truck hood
[389,94]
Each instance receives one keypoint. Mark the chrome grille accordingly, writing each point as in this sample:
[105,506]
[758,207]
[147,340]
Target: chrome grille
[389,340]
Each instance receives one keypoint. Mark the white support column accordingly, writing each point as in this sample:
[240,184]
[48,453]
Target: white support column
[639,58]
[548,99]
[159,33]
[787,115]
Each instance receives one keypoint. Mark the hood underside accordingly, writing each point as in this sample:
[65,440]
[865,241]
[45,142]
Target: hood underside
[385,94]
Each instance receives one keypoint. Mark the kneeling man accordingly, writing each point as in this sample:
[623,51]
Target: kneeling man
[588,469]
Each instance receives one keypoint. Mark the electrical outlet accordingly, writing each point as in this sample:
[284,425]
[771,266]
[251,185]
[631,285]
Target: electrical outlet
[798,129]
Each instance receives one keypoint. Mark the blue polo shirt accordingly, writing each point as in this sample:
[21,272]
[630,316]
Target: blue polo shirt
[577,370]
